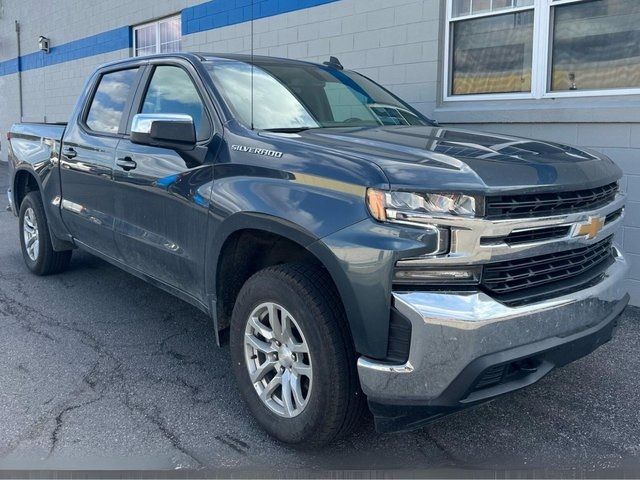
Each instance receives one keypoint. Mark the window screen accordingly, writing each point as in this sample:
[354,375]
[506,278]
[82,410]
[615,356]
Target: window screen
[493,54]
[163,36]
[596,45]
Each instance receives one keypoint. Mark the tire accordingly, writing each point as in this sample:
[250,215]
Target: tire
[35,239]
[332,401]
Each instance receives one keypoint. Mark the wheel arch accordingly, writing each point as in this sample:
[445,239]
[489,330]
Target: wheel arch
[229,245]
[26,180]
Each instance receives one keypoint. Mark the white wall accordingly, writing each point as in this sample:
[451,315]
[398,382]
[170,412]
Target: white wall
[51,92]
[393,42]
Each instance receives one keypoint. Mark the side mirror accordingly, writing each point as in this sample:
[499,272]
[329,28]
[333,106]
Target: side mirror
[164,130]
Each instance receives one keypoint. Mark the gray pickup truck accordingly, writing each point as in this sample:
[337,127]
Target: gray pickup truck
[360,254]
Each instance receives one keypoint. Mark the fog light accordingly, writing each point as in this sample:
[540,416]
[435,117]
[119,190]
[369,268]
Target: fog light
[412,275]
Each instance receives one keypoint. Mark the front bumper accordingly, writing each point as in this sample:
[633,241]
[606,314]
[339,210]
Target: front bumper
[459,338]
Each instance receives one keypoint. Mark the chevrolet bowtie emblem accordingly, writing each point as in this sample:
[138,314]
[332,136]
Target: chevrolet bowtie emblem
[591,228]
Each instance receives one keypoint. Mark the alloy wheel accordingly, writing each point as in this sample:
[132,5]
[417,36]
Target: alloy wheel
[30,233]
[278,360]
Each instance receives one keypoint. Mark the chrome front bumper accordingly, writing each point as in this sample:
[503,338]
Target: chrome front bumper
[452,330]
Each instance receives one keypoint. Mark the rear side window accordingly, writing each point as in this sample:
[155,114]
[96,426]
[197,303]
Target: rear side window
[172,91]
[110,100]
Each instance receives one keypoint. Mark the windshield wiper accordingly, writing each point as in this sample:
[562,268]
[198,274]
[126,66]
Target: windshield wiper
[287,130]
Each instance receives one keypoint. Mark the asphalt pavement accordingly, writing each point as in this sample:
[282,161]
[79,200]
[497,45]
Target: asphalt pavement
[99,370]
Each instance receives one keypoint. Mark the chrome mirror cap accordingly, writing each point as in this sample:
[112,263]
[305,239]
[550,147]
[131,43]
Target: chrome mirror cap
[173,131]
[142,122]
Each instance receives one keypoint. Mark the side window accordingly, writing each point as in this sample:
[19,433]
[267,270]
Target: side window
[172,91]
[109,101]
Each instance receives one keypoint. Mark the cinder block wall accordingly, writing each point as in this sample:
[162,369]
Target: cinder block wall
[50,93]
[395,43]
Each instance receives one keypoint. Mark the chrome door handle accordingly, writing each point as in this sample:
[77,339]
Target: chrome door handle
[126,163]
[69,152]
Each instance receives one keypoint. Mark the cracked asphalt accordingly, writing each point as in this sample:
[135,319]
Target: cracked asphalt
[99,370]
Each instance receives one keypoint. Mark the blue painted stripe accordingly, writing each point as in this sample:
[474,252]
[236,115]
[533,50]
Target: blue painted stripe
[199,18]
[8,67]
[104,42]
[222,13]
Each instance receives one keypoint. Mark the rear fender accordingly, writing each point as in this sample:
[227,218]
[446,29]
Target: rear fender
[48,180]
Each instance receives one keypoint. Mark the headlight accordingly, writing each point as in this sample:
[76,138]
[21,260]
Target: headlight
[406,207]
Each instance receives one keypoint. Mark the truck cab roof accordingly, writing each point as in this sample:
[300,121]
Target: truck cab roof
[195,57]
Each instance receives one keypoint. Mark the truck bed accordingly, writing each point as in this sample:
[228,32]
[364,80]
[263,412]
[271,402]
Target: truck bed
[52,131]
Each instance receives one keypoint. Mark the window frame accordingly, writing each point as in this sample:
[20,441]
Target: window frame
[541,60]
[97,80]
[211,126]
[156,24]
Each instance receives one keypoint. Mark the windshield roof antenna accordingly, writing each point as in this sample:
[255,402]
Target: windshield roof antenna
[334,63]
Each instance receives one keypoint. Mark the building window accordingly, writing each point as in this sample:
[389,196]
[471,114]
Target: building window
[541,48]
[162,36]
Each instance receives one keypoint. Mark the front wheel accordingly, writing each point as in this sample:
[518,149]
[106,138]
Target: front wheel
[35,240]
[293,357]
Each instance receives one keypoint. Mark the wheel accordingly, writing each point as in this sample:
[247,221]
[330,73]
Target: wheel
[35,239]
[293,357]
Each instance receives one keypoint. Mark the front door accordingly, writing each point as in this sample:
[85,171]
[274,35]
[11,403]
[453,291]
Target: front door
[161,200]
[88,157]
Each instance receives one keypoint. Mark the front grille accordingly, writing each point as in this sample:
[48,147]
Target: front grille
[491,376]
[506,372]
[543,204]
[528,280]
[529,236]
[613,216]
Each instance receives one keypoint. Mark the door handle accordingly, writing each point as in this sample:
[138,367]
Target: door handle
[126,163]
[69,152]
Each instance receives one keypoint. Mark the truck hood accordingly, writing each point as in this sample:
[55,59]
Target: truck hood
[423,157]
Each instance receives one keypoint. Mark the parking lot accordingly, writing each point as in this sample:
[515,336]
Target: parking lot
[100,370]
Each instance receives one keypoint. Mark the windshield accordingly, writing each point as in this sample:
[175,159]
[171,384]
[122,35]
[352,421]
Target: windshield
[299,96]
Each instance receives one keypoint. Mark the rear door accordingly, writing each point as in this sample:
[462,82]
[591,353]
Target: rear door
[162,195]
[88,157]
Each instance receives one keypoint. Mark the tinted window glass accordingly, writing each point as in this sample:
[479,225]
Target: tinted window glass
[277,95]
[596,45]
[493,54]
[172,91]
[109,101]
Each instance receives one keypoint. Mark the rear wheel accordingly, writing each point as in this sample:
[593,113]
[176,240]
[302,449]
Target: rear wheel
[35,239]
[293,357]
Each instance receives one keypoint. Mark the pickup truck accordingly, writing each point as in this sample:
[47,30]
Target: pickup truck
[360,254]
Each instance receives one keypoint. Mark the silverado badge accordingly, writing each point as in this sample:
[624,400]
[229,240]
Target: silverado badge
[256,151]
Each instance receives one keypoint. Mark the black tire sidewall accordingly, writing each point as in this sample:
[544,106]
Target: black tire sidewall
[273,288]
[33,202]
